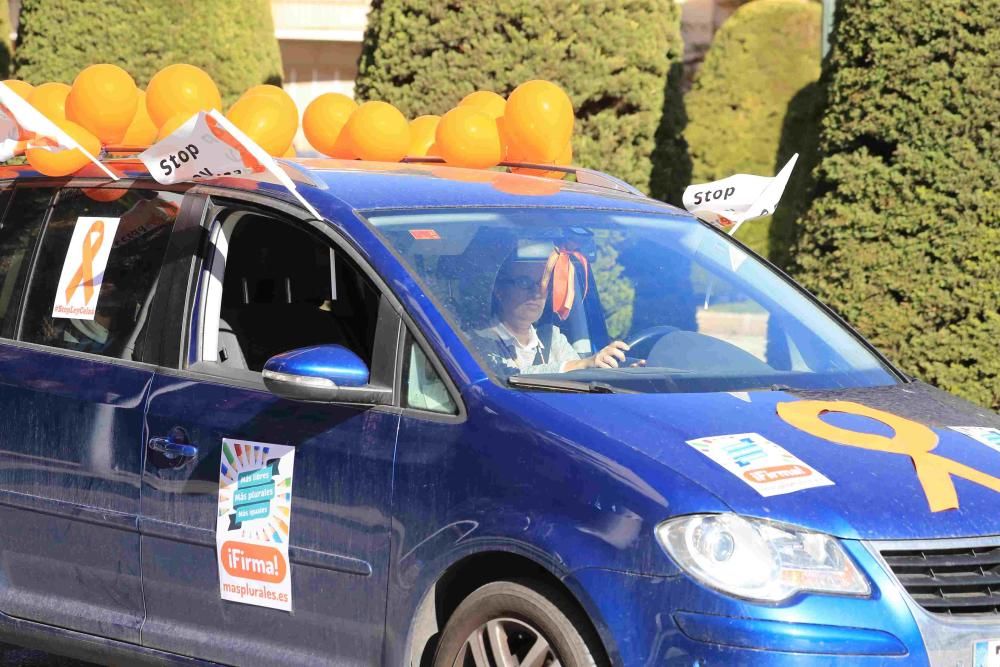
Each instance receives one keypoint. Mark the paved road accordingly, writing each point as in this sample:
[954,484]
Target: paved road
[14,656]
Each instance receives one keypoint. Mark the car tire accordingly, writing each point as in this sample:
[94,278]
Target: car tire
[509,623]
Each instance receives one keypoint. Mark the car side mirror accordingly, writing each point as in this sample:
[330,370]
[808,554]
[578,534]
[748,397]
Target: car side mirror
[323,373]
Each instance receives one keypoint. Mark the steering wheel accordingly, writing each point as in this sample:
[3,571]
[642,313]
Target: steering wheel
[642,342]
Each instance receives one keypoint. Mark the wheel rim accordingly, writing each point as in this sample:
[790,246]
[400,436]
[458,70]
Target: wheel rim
[506,642]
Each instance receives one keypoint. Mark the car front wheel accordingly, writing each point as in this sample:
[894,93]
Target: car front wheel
[517,624]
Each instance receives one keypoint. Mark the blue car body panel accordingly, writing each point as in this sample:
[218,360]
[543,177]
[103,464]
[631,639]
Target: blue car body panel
[389,500]
[875,495]
[339,528]
[70,459]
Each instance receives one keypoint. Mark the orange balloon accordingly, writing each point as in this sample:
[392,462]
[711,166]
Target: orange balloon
[180,89]
[432,151]
[534,187]
[105,194]
[378,131]
[22,88]
[538,120]
[141,131]
[323,124]
[467,137]
[289,110]
[265,120]
[102,100]
[465,175]
[63,163]
[50,99]
[279,95]
[564,159]
[488,102]
[172,124]
[422,129]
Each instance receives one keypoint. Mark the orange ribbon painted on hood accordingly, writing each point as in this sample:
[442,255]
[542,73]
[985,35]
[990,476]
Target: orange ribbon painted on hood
[84,275]
[559,270]
[910,438]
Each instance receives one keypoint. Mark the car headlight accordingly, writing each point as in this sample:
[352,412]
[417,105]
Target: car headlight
[758,559]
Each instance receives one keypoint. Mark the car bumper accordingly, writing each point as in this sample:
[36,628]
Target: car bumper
[950,641]
[667,621]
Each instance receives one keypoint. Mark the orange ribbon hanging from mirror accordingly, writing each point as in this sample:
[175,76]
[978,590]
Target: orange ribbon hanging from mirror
[560,272]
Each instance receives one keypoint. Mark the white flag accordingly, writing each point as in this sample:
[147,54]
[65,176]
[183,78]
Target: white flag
[734,200]
[207,145]
[10,136]
[20,116]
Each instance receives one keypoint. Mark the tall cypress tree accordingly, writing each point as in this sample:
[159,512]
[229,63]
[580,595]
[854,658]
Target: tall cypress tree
[618,61]
[6,53]
[233,41]
[902,237]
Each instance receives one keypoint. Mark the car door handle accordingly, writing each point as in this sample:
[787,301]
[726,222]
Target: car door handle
[173,449]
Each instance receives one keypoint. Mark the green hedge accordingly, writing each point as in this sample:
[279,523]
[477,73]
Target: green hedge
[614,59]
[6,52]
[232,40]
[902,237]
[754,103]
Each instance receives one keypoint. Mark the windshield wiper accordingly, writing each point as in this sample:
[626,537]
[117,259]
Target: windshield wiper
[574,386]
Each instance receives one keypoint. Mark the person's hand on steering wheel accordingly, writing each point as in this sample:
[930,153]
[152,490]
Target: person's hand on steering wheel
[611,355]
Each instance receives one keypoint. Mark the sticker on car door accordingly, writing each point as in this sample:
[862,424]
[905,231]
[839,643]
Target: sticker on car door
[255,511]
[83,269]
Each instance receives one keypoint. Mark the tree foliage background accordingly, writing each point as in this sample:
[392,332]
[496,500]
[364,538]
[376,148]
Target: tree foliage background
[614,59]
[755,103]
[233,41]
[902,236]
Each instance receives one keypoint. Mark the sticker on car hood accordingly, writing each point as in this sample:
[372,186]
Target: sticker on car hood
[988,436]
[768,468]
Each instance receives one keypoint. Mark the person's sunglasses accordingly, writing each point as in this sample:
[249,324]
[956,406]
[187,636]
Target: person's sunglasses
[522,282]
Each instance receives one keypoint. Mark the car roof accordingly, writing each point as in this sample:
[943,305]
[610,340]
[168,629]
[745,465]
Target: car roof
[404,185]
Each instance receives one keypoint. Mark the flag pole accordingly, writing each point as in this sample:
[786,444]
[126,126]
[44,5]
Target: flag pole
[35,121]
[262,156]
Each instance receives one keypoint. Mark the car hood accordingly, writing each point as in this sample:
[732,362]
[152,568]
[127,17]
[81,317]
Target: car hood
[873,495]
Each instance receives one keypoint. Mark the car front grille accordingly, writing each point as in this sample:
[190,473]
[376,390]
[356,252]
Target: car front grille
[955,581]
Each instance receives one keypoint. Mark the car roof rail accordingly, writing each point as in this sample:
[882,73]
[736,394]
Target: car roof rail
[583,176]
[296,172]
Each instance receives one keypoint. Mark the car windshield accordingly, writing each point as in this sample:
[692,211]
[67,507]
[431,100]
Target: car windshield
[538,292]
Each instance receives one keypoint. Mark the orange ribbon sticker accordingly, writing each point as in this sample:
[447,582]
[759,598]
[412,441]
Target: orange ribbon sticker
[84,275]
[560,271]
[910,438]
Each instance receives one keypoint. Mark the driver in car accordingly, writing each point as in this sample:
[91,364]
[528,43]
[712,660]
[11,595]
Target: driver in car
[512,341]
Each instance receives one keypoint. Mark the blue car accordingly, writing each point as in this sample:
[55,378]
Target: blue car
[467,418]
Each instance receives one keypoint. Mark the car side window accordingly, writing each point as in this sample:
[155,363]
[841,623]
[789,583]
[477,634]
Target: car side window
[423,387]
[71,303]
[18,234]
[273,285]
